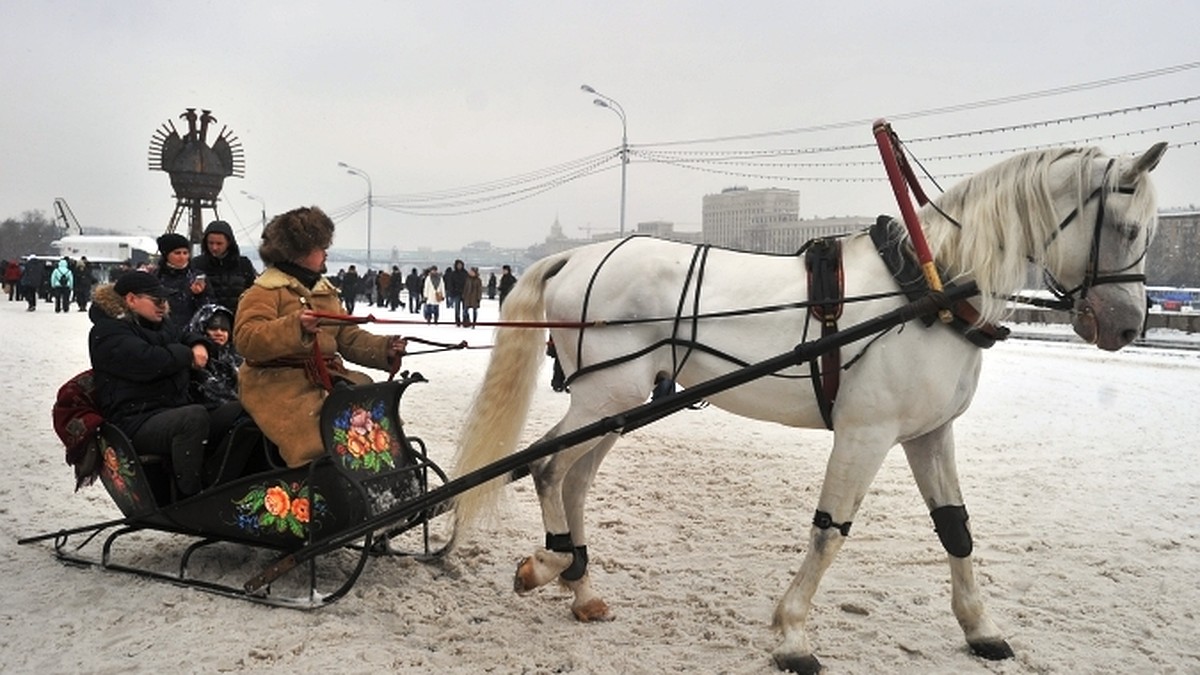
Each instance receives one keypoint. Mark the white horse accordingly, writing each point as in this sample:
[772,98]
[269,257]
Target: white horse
[906,386]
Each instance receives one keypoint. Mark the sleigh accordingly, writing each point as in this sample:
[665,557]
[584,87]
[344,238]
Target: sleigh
[369,467]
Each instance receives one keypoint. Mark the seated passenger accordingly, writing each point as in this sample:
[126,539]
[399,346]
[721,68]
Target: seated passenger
[142,365]
[276,325]
[217,382]
[215,387]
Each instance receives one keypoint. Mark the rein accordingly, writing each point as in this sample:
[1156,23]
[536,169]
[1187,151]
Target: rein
[330,318]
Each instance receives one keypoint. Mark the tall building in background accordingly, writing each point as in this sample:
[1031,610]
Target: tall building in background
[766,221]
[1172,259]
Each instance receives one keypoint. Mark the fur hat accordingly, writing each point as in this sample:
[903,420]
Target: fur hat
[293,235]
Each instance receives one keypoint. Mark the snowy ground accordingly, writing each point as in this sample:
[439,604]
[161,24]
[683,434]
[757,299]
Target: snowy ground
[1080,469]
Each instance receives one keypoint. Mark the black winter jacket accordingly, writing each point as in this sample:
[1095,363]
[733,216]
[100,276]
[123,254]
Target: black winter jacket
[140,368]
[228,276]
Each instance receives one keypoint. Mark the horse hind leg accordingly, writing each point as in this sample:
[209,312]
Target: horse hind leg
[931,458]
[587,605]
[562,483]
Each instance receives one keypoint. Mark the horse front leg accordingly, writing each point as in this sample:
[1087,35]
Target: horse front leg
[855,460]
[931,458]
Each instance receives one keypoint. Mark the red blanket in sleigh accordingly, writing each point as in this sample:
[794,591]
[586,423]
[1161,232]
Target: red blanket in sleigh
[76,420]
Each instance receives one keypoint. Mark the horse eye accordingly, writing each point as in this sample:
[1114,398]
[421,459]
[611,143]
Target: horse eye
[1132,232]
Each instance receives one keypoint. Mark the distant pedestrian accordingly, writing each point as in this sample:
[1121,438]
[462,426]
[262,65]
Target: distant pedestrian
[83,283]
[507,281]
[455,281]
[12,279]
[44,289]
[491,286]
[414,284]
[395,284]
[434,294]
[31,280]
[471,297]
[381,286]
[62,280]
[368,286]
[349,288]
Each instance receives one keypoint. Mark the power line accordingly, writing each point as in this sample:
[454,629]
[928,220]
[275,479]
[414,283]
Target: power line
[502,192]
[960,107]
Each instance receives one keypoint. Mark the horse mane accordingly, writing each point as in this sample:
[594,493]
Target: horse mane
[1007,217]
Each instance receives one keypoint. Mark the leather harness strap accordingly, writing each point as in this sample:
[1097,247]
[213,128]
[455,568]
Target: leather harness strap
[826,291]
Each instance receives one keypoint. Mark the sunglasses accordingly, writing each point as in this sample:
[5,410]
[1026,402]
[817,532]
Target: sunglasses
[154,299]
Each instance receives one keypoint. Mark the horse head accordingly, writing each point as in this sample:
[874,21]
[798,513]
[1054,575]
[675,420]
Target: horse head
[1117,220]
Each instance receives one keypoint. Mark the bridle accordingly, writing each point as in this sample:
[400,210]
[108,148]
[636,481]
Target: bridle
[1065,299]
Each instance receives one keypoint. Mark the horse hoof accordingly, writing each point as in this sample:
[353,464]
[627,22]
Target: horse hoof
[592,611]
[523,580]
[540,569]
[992,650]
[805,665]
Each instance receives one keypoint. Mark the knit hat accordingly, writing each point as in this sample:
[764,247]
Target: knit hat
[142,283]
[293,235]
[172,241]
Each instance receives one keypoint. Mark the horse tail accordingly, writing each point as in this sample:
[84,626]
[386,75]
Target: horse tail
[497,415]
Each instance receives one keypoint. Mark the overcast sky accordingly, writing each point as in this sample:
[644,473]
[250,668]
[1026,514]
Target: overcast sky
[433,97]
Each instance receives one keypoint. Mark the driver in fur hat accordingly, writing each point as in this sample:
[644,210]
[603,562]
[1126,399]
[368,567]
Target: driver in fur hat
[282,385]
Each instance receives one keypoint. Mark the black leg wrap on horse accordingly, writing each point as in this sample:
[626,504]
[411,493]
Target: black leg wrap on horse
[559,543]
[578,566]
[950,522]
[824,521]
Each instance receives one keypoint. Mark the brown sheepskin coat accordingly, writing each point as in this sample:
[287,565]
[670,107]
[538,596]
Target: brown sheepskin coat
[284,403]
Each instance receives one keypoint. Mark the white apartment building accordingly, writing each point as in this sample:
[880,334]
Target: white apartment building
[766,221]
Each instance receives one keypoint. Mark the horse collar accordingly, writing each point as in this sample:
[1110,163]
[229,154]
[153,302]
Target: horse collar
[888,236]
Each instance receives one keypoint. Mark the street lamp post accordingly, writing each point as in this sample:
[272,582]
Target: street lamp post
[612,104]
[262,202]
[354,171]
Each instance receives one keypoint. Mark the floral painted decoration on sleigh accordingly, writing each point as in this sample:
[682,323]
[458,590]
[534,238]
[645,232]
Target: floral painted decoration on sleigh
[363,440]
[281,506]
[118,474]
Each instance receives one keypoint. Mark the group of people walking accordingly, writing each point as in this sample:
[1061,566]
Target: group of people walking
[459,288]
[63,281]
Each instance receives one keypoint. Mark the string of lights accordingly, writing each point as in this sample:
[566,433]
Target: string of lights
[748,163]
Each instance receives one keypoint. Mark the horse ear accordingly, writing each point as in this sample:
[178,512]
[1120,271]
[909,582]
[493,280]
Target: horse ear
[1147,162]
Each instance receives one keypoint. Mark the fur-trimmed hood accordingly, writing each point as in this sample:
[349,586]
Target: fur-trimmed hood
[105,301]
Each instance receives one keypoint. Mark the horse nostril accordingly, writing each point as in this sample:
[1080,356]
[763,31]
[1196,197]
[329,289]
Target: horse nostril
[1129,335]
